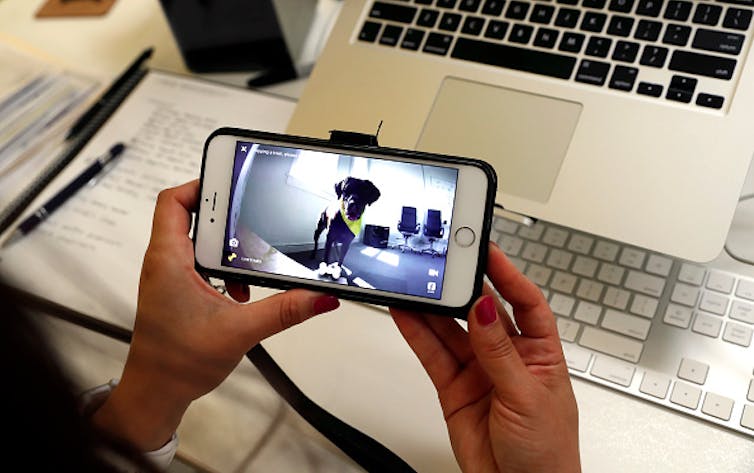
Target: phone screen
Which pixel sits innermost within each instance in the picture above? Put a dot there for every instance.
(351, 220)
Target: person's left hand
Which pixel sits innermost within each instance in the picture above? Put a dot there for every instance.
(187, 337)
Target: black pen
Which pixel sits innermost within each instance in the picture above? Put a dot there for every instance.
(31, 222)
(108, 94)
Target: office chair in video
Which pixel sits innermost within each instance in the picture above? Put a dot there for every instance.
(408, 226)
(434, 229)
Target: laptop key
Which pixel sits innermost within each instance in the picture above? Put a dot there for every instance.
(594, 3)
(626, 51)
(470, 6)
(593, 22)
(678, 10)
(623, 78)
(571, 42)
(737, 18)
(472, 25)
(493, 7)
(567, 18)
(390, 35)
(592, 72)
(620, 26)
(676, 35)
(546, 38)
(369, 31)
(653, 56)
(706, 14)
(449, 21)
(412, 39)
(648, 30)
(702, 64)
(427, 18)
(521, 59)
(438, 43)
(542, 14)
(649, 7)
(517, 10)
(598, 46)
(521, 33)
(496, 29)
(621, 6)
(450, 4)
(718, 41)
(393, 12)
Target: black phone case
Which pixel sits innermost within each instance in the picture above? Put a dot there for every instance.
(356, 143)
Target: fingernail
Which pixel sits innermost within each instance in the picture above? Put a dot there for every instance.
(485, 311)
(326, 304)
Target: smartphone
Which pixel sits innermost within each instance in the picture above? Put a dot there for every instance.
(386, 226)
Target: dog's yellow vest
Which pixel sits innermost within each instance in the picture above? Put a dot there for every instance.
(353, 225)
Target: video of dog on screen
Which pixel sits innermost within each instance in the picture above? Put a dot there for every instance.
(367, 222)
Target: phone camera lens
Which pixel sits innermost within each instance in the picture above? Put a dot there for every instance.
(212, 220)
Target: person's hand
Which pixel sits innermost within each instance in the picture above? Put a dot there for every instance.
(505, 392)
(187, 337)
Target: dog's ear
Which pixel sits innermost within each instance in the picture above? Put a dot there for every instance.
(339, 186)
(370, 192)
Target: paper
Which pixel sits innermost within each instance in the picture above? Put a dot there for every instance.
(88, 254)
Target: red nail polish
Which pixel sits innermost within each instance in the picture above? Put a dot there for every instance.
(486, 313)
(326, 304)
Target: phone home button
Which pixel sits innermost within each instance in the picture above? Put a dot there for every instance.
(465, 237)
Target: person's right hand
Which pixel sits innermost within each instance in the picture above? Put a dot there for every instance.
(505, 392)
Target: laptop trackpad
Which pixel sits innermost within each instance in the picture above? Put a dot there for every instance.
(524, 136)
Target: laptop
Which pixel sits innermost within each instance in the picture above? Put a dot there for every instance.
(627, 119)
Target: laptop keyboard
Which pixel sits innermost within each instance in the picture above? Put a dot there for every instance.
(666, 330)
(681, 51)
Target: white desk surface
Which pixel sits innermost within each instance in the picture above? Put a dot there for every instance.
(353, 362)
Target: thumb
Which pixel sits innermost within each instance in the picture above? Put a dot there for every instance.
(494, 349)
(276, 313)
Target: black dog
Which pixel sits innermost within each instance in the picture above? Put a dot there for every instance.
(342, 220)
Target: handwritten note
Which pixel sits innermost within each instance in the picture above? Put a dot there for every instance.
(88, 254)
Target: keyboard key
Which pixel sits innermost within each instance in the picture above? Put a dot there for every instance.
(526, 60)
(653, 56)
(620, 26)
(677, 316)
(581, 243)
(588, 312)
(647, 88)
(598, 4)
(745, 289)
(538, 274)
(750, 394)
(685, 395)
(626, 324)
(605, 251)
(567, 18)
(678, 10)
(496, 29)
(623, 78)
(681, 89)
(412, 39)
(585, 266)
(720, 282)
(616, 298)
(542, 14)
(505, 225)
(632, 257)
(563, 282)
(707, 14)
(369, 31)
(747, 418)
(692, 370)
(449, 21)
(562, 304)
(555, 237)
(659, 265)
(611, 344)
(655, 384)
(613, 370)
(710, 101)
(590, 290)
(685, 294)
(521, 33)
(517, 10)
(472, 25)
(437, 44)
(693, 274)
(677, 35)
(598, 46)
(648, 30)
(568, 329)
(707, 325)
(592, 72)
(519, 263)
(393, 12)
(546, 38)
(737, 19)
(576, 357)
(611, 274)
(621, 6)
(742, 311)
(559, 259)
(470, 6)
(717, 406)
(450, 4)
(511, 245)
(645, 283)
(571, 42)
(531, 232)
(644, 306)
(593, 22)
(702, 64)
(718, 41)
(391, 34)
(649, 7)
(427, 18)
(714, 303)
(535, 252)
(737, 333)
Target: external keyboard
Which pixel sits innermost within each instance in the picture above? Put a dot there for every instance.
(669, 331)
(684, 51)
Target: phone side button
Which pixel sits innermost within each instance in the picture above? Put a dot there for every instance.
(465, 237)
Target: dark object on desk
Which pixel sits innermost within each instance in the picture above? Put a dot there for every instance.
(96, 168)
(376, 236)
(110, 92)
(58, 8)
(256, 36)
